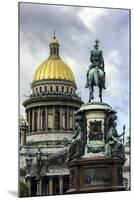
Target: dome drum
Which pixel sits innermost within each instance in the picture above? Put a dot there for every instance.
(53, 89)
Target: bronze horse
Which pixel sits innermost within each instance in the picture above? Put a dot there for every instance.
(95, 77)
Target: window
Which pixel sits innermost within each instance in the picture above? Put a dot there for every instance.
(54, 50)
(57, 88)
(62, 89)
(71, 90)
(51, 88)
(40, 89)
(36, 90)
(45, 88)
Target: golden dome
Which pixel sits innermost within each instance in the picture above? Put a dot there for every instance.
(54, 67)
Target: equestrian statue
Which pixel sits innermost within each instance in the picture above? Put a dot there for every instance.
(96, 73)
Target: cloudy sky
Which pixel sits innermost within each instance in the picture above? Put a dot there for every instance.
(76, 29)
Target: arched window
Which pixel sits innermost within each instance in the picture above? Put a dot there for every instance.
(71, 91)
(57, 89)
(35, 121)
(54, 50)
(62, 89)
(43, 120)
(40, 89)
(45, 88)
(51, 88)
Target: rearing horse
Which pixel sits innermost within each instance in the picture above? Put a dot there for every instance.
(95, 77)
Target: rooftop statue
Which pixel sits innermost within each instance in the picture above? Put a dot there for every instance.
(96, 73)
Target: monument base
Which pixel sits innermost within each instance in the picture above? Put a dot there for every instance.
(98, 174)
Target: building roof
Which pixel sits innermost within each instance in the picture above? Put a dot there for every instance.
(54, 67)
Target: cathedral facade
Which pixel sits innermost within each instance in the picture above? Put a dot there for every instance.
(50, 122)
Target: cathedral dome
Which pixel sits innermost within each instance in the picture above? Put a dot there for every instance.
(54, 67)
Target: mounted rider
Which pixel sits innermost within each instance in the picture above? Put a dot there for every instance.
(97, 60)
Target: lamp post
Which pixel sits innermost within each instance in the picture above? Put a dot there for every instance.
(28, 164)
(28, 176)
(39, 167)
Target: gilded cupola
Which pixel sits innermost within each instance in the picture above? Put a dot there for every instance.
(54, 68)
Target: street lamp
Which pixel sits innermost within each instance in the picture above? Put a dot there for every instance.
(39, 156)
(39, 167)
(28, 170)
(28, 164)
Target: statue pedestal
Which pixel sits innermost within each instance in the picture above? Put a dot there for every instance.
(97, 174)
(95, 170)
(95, 115)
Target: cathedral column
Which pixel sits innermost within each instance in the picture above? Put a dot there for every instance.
(23, 139)
(26, 112)
(73, 119)
(67, 118)
(50, 185)
(60, 118)
(61, 184)
(53, 118)
(46, 118)
(28, 119)
(39, 119)
(33, 120)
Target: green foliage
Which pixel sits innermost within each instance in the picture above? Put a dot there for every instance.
(23, 189)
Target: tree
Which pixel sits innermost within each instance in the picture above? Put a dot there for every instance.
(23, 189)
